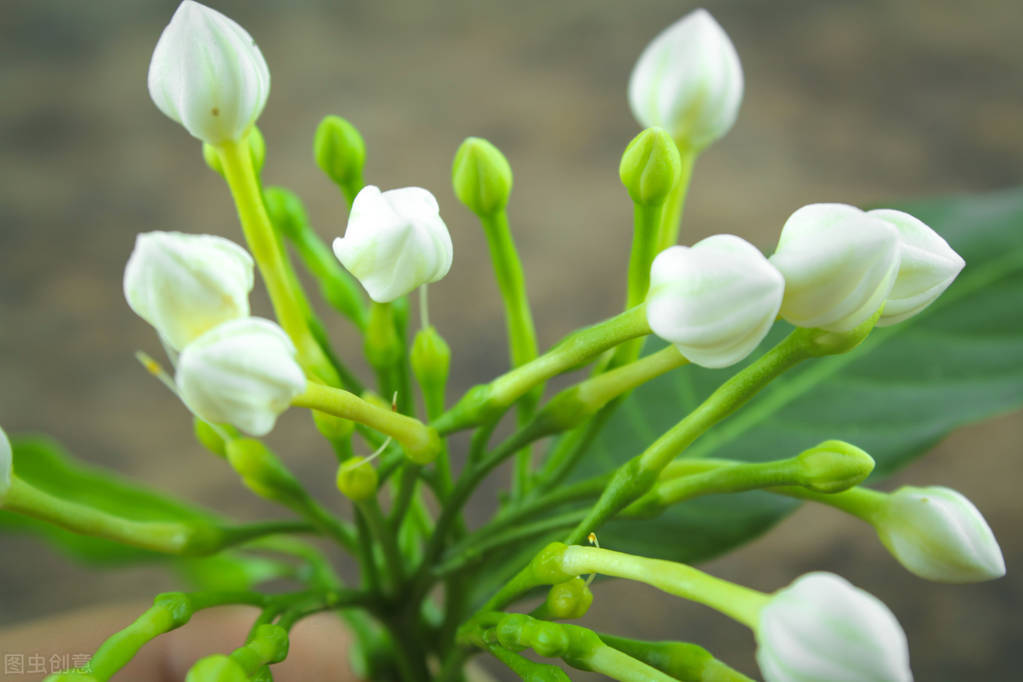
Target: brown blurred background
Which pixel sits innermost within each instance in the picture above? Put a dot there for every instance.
(857, 102)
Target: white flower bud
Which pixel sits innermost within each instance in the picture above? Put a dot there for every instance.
(823, 628)
(936, 533)
(688, 81)
(927, 265)
(243, 373)
(186, 284)
(208, 75)
(715, 300)
(839, 265)
(395, 241)
(6, 465)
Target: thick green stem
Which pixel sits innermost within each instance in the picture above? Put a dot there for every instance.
(259, 233)
(421, 442)
(863, 503)
(386, 540)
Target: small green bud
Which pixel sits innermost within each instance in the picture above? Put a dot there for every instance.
(331, 427)
(569, 600)
(211, 438)
(271, 643)
(217, 668)
(357, 479)
(481, 176)
(286, 211)
(510, 631)
(430, 358)
(651, 167)
(340, 151)
(262, 472)
(547, 639)
(834, 466)
(257, 150)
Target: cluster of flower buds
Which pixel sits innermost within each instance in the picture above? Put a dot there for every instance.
(194, 290)
(834, 268)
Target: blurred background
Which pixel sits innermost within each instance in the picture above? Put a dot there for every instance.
(859, 102)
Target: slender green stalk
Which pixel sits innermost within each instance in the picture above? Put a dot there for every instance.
(487, 402)
(863, 503)
(242, 181)
(680, 660)
(385, 538)
(421, 442)
(672, 217)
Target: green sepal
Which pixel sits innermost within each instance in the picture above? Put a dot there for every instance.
(257, 150)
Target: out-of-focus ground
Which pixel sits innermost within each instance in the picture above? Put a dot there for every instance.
(857, 102)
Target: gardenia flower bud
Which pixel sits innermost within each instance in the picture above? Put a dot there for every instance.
(839, 264)
(688, 81)
(823, 628)
(395, 241)
(715, 300)
(6, 465)
(927, 266)
(186, 284)
(208, 75)
(938, 534)
(242, 372)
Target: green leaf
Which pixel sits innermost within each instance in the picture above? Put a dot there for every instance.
(903, 390)
(44, 464)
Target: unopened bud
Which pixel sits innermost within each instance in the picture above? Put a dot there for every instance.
(688, 81)
(651, 167)
(331, 427)
(210, 437)
(287, 214)
(340, 151)
(430, 358)
(938, 534)
(481, 176)
(217, 668)
(823, 628)
(839, 265)
(715, 301)
(357, 479)
(834, 466)
(569, 600)
(927, 266)
(208, 75)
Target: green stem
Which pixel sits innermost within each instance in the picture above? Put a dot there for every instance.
(739, 603)
(527, 670)
(385, 537)
(488, 401)
(367, 561)
(671, 219)
(421, 442)
(618, 665)
(863, 503)
(259, 233)
(681, 660)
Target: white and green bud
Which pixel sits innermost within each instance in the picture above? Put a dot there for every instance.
(481, 176)
(395, 241)
(821, 627)
(357, 479)
(839, 265)
(938, 534)
(927, 266)
(257, 152)
(340, 151)
(651, 167)
(6, 465)
(208, 75)
(715, 300)
(688, 81)
(243, 373)
(187, 284)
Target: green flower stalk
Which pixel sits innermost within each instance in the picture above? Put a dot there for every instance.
(257, 149)
(680, 660)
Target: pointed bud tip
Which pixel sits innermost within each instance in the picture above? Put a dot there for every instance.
(651, 167)
(481, 176)
(834, 466)
(339, 150)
